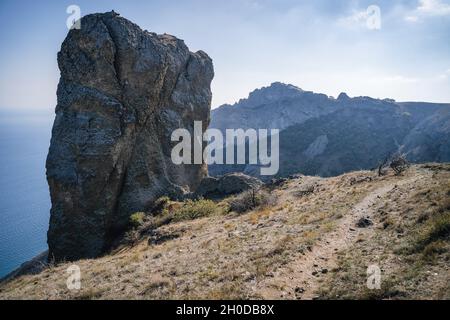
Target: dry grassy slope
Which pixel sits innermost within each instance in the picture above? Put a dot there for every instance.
(306, 246)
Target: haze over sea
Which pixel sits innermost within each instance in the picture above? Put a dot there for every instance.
(24, 195)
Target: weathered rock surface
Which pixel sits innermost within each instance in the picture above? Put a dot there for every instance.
(121, 94)
(232, 183)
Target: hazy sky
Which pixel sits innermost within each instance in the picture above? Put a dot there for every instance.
(322, 45)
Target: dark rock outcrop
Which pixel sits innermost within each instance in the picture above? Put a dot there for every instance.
(121, 94)
(215, 188)
(364, 222)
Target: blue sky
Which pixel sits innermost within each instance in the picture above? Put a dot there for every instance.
(321, 45)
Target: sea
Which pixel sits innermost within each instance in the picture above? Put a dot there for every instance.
(24, 194)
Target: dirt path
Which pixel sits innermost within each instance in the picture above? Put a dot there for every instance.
(301, 278)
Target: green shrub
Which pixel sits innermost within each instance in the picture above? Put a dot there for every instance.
(160, 205)
(194, 209)
(137, 219)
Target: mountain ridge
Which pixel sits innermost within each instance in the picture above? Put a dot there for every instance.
(381, 127)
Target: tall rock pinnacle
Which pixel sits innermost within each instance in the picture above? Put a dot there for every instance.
(121, 94)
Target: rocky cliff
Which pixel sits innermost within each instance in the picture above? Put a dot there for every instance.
(121, 94)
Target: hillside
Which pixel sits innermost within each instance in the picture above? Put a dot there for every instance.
(302, 242)
(321, 135)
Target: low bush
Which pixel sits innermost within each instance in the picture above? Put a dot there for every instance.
(194, 209)
(160, 205)
(132, 237)
(250, 200)
(137, 219)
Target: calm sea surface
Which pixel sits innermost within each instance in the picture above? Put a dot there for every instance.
(24, 195)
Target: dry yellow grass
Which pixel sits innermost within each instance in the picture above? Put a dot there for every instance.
(271, 252)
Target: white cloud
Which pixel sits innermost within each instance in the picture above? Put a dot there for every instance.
(434, 7)
(427, 8)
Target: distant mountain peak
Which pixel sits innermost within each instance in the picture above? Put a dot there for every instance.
(282, 86)
(343, 96)
(277, 89)
(274, 92)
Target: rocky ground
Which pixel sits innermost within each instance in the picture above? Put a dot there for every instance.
(315, 239)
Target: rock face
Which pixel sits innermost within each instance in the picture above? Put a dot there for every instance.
(430, 139)
(121, 94)
(232, 183)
